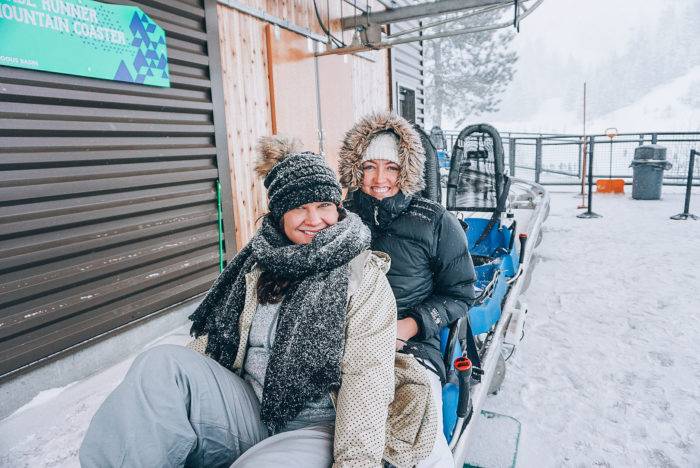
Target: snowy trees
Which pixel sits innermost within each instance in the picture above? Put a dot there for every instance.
(656, 53)
(466, 74)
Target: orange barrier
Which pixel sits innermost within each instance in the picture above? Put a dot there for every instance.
(610, 186)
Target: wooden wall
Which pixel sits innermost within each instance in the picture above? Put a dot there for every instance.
(247, 102)
(298, 12)
(270, 86)
(351, 86)
(292, 74)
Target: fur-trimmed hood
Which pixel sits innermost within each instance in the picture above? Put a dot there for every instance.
(357, 139)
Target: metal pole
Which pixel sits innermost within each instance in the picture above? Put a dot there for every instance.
(538, 159)
(610, 169)
(511, 156)
(583, 171)
(688, 188)
(590, 174)
(654, 138)
(583, 166)
(689, 185)
(263, 15)
(411, 12)
(578, 167)
(424, 26)
(319, 123)
(589, 213)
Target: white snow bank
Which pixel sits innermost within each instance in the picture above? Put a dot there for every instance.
(41, 398)
(47, 432)
(608, 373)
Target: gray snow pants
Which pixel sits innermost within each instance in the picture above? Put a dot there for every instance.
(176, 407)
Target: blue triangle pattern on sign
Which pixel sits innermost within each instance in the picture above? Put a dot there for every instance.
(139, 61)
(123, 73)
(134, 20)
(138, 30)
(150, 58)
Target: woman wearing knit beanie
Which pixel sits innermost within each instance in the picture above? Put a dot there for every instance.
(432, 275)
(299, 330)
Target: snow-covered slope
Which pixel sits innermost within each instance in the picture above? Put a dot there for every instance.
(672, 106)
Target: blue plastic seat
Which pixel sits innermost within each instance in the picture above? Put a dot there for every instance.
(482, 316)
(495, 245)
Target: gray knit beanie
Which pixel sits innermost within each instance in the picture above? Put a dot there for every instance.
(383, 145)
(294, 178)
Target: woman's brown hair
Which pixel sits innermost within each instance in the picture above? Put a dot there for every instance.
(272, 288)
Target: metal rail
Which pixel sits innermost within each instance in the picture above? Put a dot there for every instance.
(490, 358)
(686, 206)
(419, 11)
(551, 159)
(369, 24)
(265, 16)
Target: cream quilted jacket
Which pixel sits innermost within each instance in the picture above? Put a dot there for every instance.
(384, 410)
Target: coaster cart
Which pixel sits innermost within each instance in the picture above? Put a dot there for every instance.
(495, 210)
(437, 138)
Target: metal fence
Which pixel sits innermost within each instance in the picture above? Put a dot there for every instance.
(552, 159)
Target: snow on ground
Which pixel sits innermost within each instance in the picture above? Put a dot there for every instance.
(47, 431)
(608, 373)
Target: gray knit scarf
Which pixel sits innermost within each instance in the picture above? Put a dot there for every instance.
(306, 355)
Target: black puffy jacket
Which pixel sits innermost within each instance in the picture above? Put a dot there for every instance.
(431, 273)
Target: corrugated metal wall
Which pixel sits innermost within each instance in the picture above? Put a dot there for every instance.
(108, 209)
(407, 66)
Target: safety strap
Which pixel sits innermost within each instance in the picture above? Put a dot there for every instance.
(500, 207)
(472, 350)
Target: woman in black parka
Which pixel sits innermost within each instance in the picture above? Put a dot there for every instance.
(432, 276)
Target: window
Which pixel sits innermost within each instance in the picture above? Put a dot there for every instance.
(407, 104)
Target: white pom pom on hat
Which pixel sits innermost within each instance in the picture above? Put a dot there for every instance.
(384, 145)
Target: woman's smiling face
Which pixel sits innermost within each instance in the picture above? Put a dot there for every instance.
(301, 224)
(380, 178)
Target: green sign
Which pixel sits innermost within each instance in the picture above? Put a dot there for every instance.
(85, 38)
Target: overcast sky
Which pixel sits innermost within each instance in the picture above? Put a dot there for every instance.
(586, 29)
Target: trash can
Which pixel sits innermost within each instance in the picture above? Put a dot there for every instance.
(648, 172)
